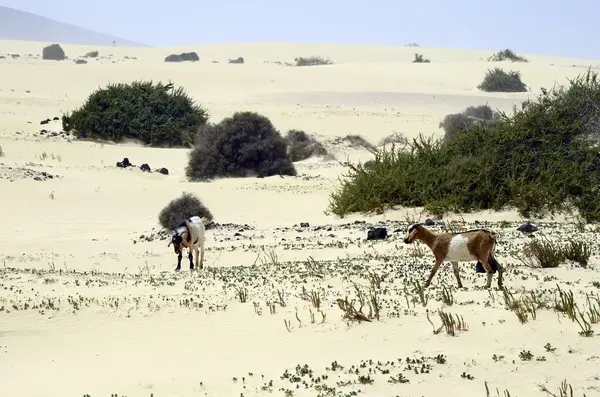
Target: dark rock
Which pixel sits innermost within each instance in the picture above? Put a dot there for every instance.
(45, 121)
(378, 233)
(124, 164)
(527, 227)
(53, 52)
(304, 224)
(237, 60)
(55, 118)
(145, 167)
(80, 61)
(429, 222)
(164, 171)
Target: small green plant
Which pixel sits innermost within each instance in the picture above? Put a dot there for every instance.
(447, 296)
(542, 253)
(578, 251)
(565, 303)
(526, 355)
(242, 293)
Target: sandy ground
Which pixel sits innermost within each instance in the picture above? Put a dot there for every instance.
(89, 302)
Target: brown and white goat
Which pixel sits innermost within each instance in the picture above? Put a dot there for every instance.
(477, 244)
(189, 234)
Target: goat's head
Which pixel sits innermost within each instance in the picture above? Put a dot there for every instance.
(176, 240)
(413, 233)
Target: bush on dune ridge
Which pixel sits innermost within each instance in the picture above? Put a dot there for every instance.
(155, 114)
(540, 160)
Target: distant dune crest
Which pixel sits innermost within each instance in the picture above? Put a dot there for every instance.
(21, 25)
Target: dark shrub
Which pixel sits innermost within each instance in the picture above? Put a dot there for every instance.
(183, 57)
(301, 145)
(312, 61)
(173, 58)
(242, 145)
(356, 142)
(419, 59)
(156, 114)
(237, 60)
(80, 61)
(397, 138)
(539, 160)
(506, 55)
(181, 208)
(53, 52)
(497, 80)
(189, 56)
(93, 54)
(459, 122)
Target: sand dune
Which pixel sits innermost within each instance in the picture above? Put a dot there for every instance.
(89, 305)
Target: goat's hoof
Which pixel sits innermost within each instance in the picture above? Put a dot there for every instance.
(177, 269)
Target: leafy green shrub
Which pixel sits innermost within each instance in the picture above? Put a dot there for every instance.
(497, 80)
(538, 160)
(242, 145)
(312, 61)
(156, 114)
(181, 208)
(458, 122)
(506, 55)
(301, 146)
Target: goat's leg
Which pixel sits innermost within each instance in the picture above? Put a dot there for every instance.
(456, 273)
(191, 258)
(201, 253)
(178, 268)
(488, 270)
(197, 252)
(500, 272)
(438, 262)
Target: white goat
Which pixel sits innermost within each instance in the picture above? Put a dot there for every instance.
(189, 234)
(477, 244)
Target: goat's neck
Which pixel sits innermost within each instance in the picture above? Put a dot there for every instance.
(427, 237)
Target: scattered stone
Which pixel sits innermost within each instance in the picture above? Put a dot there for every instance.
(124, 164)
(378, 233)
(163, 171)
(237, 60)
(145, 167)
(527, 227)
(80, 61)
(304, 224)
(429, 222)
(45, 121)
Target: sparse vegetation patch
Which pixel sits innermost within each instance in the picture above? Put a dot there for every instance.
(506, 55)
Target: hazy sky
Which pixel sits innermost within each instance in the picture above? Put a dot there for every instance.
(546, 27)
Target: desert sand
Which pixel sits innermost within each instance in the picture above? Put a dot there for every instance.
(89, 301)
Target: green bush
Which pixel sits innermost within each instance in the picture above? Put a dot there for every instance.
(181, 208)
(156, 114)
(419, 59)
(497, 80)
(539, 160)
(456, 123)
(506, 55)
(301, 145)
(245, 144)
